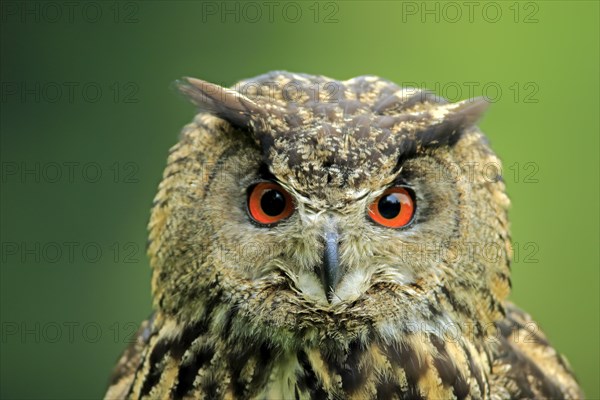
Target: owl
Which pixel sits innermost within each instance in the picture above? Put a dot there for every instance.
(323, 239)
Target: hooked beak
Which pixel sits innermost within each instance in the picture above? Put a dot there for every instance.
(330, 268)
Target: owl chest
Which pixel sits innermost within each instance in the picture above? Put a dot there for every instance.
(360, 371)
(247, 375)
(369, 372)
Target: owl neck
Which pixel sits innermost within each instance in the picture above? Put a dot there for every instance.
(270, 311)
(272, 315)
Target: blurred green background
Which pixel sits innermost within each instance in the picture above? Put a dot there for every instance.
(87, 118)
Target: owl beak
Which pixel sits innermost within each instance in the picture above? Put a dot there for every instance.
(330, 269)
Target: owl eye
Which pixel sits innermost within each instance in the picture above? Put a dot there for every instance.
(394, 208)
(269, 203)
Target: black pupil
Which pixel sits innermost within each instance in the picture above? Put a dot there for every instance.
(272, 202)
(389, 206)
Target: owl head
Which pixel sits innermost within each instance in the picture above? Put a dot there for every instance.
(304, 206)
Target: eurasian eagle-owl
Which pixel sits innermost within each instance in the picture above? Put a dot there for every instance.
(325, 239)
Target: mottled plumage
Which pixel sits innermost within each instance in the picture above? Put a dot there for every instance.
(246, 311)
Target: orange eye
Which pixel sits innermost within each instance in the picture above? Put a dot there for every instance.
(269, 203)
(394, 208)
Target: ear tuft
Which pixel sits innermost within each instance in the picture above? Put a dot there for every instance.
(454, 119)
(225, 103)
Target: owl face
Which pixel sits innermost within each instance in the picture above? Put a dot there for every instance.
(320, 208)
(332, 249)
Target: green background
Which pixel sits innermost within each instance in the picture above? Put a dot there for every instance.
(67, 317)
